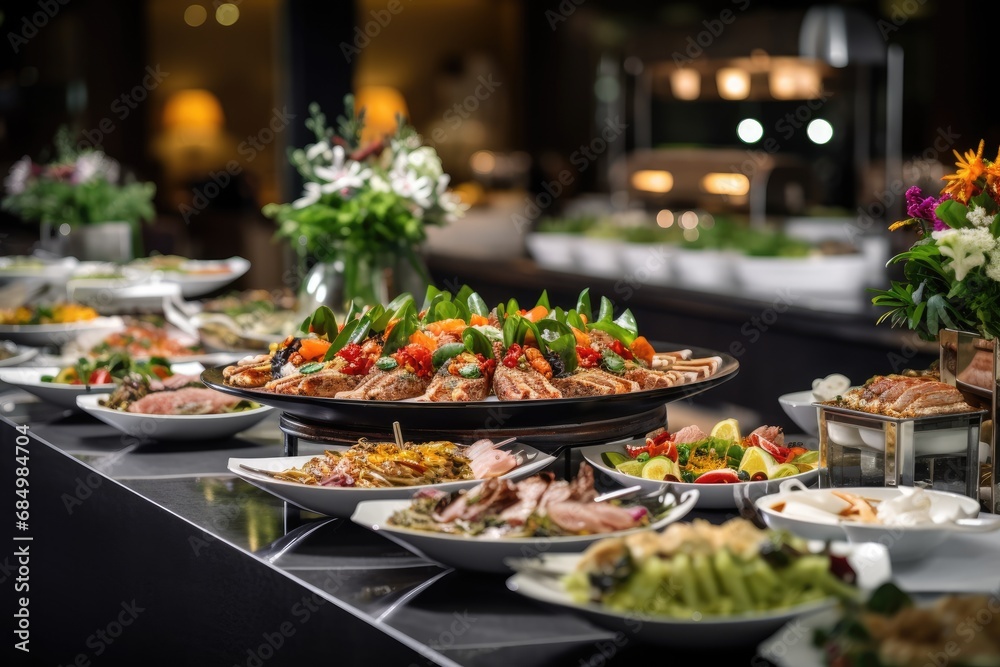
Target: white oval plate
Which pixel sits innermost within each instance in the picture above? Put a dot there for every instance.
(195, 285)
(41, 335)
(482, 554)
(711, 496)
(534, 580)
(21, 355)
(342, 501)
(15, 268)
(62, 395)
(904, 543)
(172, 427)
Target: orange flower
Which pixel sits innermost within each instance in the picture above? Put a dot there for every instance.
(962, 184)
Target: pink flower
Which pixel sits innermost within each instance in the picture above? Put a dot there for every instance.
(918, 206)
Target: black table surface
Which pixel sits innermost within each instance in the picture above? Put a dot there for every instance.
(232, 575)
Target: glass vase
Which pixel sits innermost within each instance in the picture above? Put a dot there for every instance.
(364, 280)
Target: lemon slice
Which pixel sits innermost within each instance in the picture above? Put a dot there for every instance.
(727, 429)
(757, 460)
(659, 467)
(630, 468)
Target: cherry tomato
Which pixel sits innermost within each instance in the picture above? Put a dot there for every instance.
(99, 376)
(162, 372)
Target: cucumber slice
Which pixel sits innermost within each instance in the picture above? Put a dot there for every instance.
(613, 459)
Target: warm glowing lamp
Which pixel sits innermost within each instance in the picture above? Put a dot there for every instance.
(685, 83)
(653, 180)
(733, 83)
(193, 110)
(381, 104)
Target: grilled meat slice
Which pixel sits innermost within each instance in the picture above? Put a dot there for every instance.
(395, 385)
(513, 384)
(445, 387)
(650, 379)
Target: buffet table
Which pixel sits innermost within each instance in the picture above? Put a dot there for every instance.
(137, 547)
(212, 567)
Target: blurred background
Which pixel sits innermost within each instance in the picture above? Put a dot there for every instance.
(829, 101)
(620, 122)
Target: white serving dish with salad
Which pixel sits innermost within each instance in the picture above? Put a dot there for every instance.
(662, 592)
(62, 386)
(723, 466)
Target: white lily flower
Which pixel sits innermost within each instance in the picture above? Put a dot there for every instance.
(342, 173)
(17, 177)
(320, 149)
(310, 197)
(95, 165)
(418, 189)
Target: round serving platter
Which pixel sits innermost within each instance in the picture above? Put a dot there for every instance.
(549, 422)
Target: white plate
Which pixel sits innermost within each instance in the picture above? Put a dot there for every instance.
(708, 270)
(342, 501)
(21, 355)
(195, 285)
(62, 395)
(41, 335)
(51, 271)
(819, 521)
(792, 645)
(711, 496)
(870, 562)
(831, 275)
(172, 427)
(483, 554)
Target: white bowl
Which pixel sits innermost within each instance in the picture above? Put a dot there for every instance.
(647, 262)
(844, 434)
(552, 250)
(194, 428)
(833, 275)
(709, 270)
(799, 406)
(217, 273)
(61, 395)
(816, 517)
(57, 335)
(945, 441)
(597, 256)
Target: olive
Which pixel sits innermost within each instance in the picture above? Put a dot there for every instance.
(758, 476)
(670, 478)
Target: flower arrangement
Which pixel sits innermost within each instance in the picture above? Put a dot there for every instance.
(78, 187)
(364, 204)
(952, 272)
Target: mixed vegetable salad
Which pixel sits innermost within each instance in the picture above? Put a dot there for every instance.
(108, 368)
(722, 457)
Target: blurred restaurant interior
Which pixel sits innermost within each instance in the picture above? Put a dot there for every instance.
(626, 115)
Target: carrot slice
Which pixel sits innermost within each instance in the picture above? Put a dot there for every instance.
(313, 349)
(582, 339)
(641, 349)
(453, 325)
(423, 340)
(479, 320)
(536, 313)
